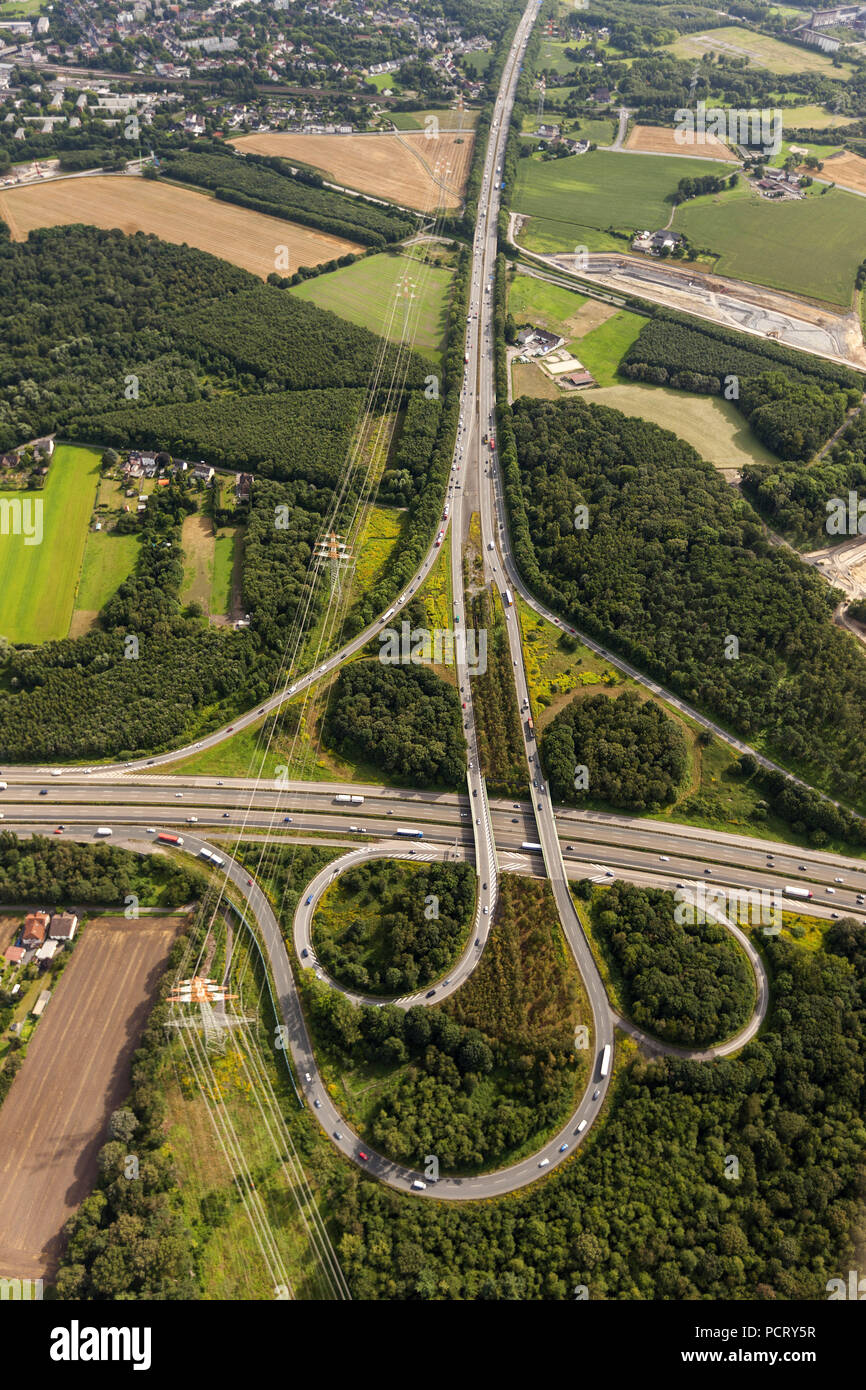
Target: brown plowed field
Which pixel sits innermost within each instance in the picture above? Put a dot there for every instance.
(235, 234)
(53, 1121)
(846, 169)
(657, 139)
(402, 169)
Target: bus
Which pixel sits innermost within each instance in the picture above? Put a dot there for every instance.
(530, 844)
(411, 834)
(170, 839)
(605, 1060)
(508, 599)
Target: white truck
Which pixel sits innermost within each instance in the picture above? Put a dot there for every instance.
(343, 800)
(103, 830)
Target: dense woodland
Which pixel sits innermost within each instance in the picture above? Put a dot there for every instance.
(792, 402)
(51, 872)
(673, 564)
(634, 755)
(403, 719)
(689, 984)
(500, 733)
(488, 1069)
(230, 370)
(795, 500)
(391, 928)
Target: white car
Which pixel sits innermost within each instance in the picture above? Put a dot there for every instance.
(664, 858)
(151, 830)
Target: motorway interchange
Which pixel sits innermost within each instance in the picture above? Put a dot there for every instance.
(136, 800)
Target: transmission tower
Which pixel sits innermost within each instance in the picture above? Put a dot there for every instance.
(213, 1023)
(332, 549)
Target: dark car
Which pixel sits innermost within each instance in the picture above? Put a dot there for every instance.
(44, 791)
(430, 993)
(308, 901)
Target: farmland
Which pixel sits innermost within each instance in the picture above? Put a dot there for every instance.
(596, 333)
(775, 244)
(397, 167)
(76, 1072)
(573, 201)
(108, 560)
(235, 234)
(651, 139)
(848, 170)
(38, 582)
(760, 50)
(811, 118)
(711, 425)
(373, 294)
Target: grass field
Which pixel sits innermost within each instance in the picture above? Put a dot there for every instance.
(397, 167)
(108, 560)
(811, 118)
(198, 542)
(225, 554)
(248, 239)
(598, 334)
(602, 349)
(760, 50)
(38, 582)
(714, 427)
(572, 201)
(449, 118)
(382, 531)
(372, 293)
(812, 247)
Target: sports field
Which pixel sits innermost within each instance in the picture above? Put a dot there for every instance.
(812, 247)
(38, 581)
(760, 50)
(248, 239)
(396, 296)
(402, 168)
(572, 201)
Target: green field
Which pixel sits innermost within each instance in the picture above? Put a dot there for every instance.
(819, 151)
(600, 346)
(38, 582)
(108, 560)
(551, 57)
(715, 428)
(223, 568)
(811, 247)
(366, 293)
(811, 118)
(760, 50)
(602, 349)
(572, 201)
(550, 306)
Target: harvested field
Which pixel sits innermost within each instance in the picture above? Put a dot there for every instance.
(846, 169)
(248, 239)
(402, 168)
(53, 1121)
(653, 139)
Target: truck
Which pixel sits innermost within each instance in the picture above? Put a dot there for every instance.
(508, 599)
(792, 890)
(492, 445)
(170, 839)
(411, 834)
(531, 844)
(604, 1067)
(211, 858)
(343, 800)
(530, 727)
(103, 831)
(3, 786)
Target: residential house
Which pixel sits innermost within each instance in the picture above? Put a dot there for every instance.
(14, 954)
(63, 926)
(35, 927)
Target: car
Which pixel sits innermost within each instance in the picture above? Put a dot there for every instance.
(596, 1094)
(151, 830)
(515, 806)
(192, 820)
(474, 791)
(87, 771)
(261, 711)
(317, 1103)
(478, 941)
(43, 791)
(364, 1157)
(305, 952)
(485, 910)
(477, 820)
(664, 859)
(802, 868)
(230, 729)
(150, 762)
(608, 873)
(838, 880)
(287, 820)
(464, 815)
(178, 795)
(581, 1127)
(337, 1134)
(307, 1076)
(708, 871)
(58, 831)
(249, 883)
(464, 704)
(538, 803)
(220, 783)
(859, 897)
(834, 914)
(56, 772)
(225, 815)
(308, 901)
(829, 890)
(562, 1148)
(514, 820)
(544, 1163)
(484, 885)
(535, 781)
(429, 994)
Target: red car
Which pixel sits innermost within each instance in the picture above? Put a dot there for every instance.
(362, 1155)
(230, 729)
(250, 882)
(58, 831)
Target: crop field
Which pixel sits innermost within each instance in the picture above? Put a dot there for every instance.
(38, 581)
(76, 1072)
(235, 234)
(761, 51)
(108, 560)
(386, 293)
(199, 544)
(775, 244)
(848, 170)
(449, 119)
(573, 201)
(400, 168)
(715, 428)
(656, 139)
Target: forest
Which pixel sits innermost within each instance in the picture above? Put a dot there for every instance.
(228, 369)
(672, 565)
(631, 755)
(267, 185)
(795, 500)
(500, 734)
(487, 1070)
(402, 719)
(645, 1210)
(51, 872)
(793, 402)
(688, 984)
(391, 928)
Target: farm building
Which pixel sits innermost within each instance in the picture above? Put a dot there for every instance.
(63, 926)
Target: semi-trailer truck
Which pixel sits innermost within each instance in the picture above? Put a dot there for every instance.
(170, 839)
(792, 890)
(605, 1060)
(343, 800)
